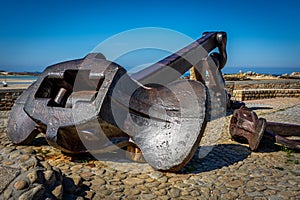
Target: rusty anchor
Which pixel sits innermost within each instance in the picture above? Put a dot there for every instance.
(90, 104)
(245, 125)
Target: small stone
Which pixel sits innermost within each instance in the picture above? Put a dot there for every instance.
(7, 193)
(29, 150)
(216, 193)
(31, 163)
(87, 183)
(58, 191)
(163, 185)
(87, 176)
(46, 165)
(77, 180)
(35, 193)
(7, 162)
(163, 179)
(14, 154)
(230, 195)
(195, 193)
(174, 192)
(20, 185)
(50, 177)
(250, 184)
(160, 192)
(205, 192)
(7, 150)
(89, 194)
(133, 181)
(292, 182)
(284, 194)
(260, 188)
(106, 192)
(270, 192)
(98, 182)
(260, 198)
(76, 167)
(115, 188)
(156, 175)
(152, 184)
(234, 184)
(33, 177)
(147, 196)
(24, 158)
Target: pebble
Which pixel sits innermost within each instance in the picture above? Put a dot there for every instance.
(58, 191)
(20, 185)
(133, 181)
(234, 184)
(174, 192)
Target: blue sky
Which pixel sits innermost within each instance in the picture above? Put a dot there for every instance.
(36, 34)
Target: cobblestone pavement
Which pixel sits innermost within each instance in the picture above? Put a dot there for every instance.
(221, 169)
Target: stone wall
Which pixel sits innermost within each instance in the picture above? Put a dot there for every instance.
(8, 98)
(262, 84)
(262, 89)
(251, 94)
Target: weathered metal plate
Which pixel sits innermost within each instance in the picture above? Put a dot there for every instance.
(170, 129)
(69, 96)
(21, 128)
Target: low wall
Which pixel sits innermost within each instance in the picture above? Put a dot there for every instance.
(8, 98)
(262, 89)
(262, 84)
(251, 94)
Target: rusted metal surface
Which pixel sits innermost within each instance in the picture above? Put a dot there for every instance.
(21, 128)
(76, 102)
(245, 125)
(173, 66)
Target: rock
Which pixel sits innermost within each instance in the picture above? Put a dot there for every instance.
(133, 181)
(24, 158)
(33, 177)
(86, 176)
(7, 193)
(20, 185)
(89, 194)
(195, 193)
(31, 163)
(14, 154)
(98, 182)
(230, 195)
(147, 196)
(7, 162)
(234, 184)
(205, 192)
(58, 191)
(49, 178)
(77, 180)
(174, 192)
(163, 179)
(37, 192)
(156, 175)
(160, 192)
(76, 167)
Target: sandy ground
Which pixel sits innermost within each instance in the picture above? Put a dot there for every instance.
(13, 83)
